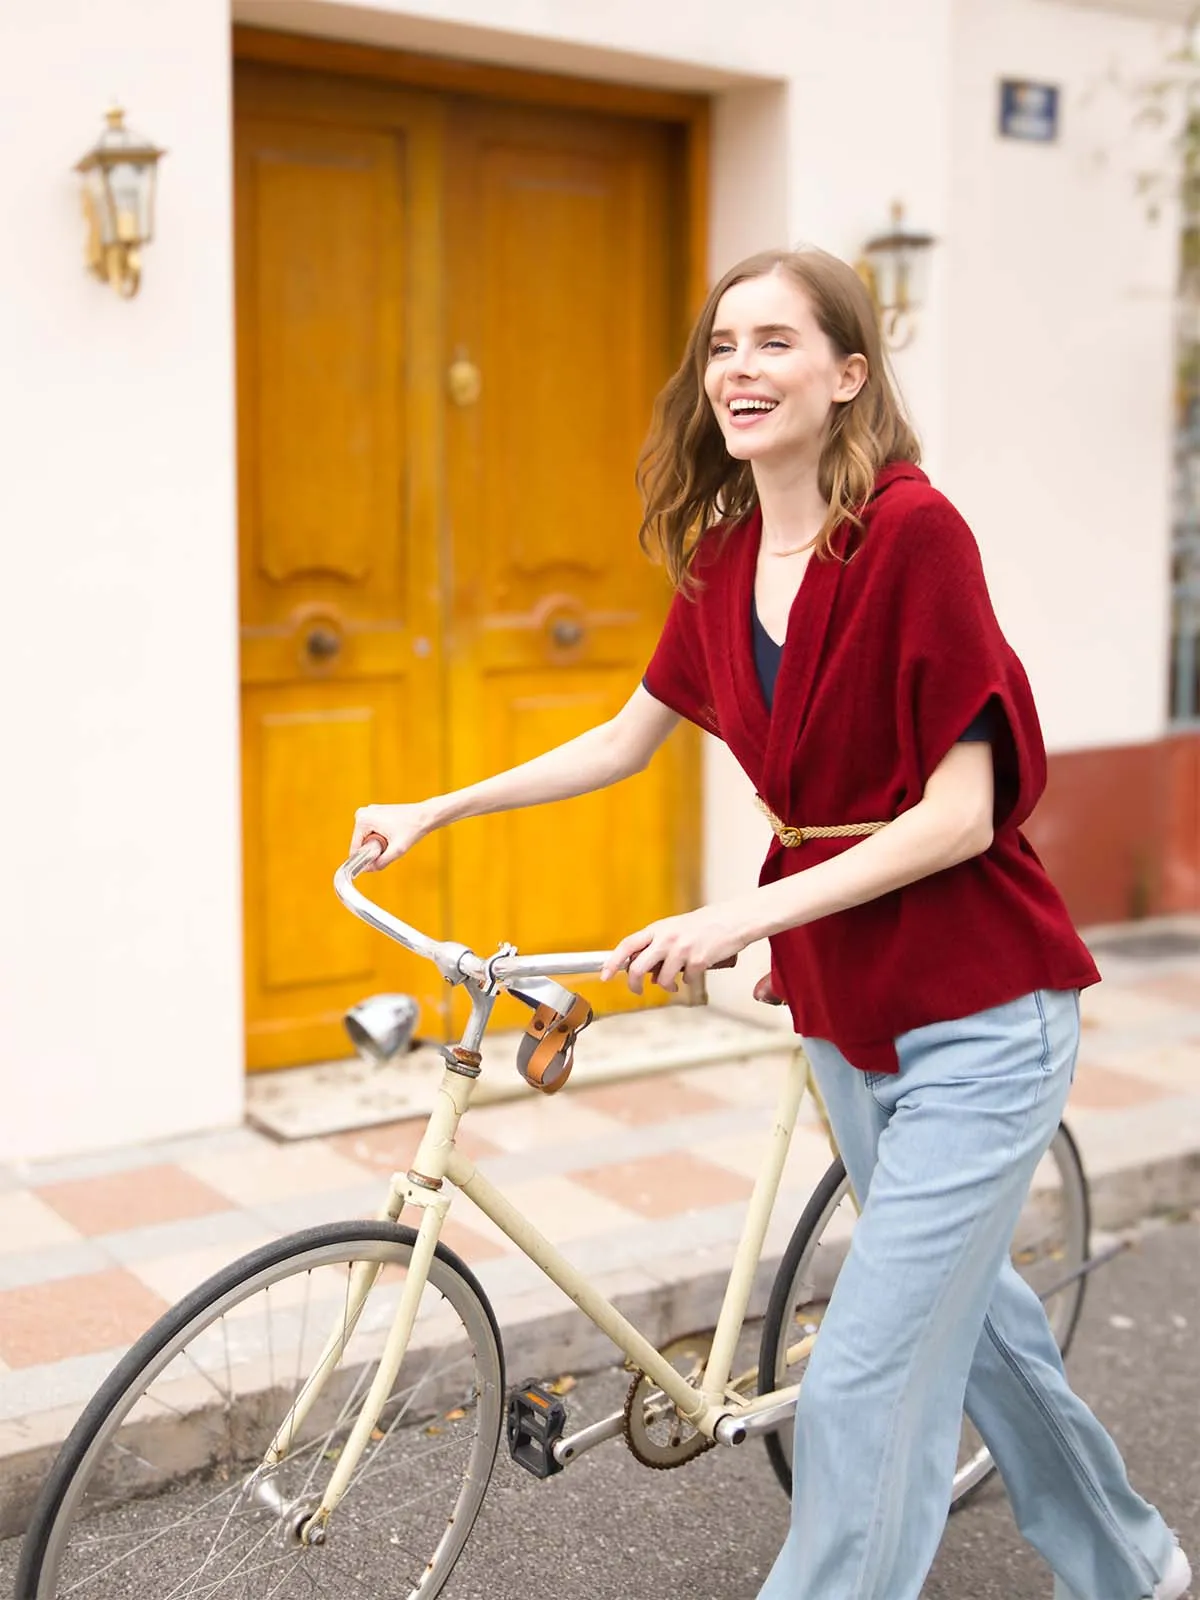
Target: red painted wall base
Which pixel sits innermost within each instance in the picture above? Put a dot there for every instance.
(1119, 829)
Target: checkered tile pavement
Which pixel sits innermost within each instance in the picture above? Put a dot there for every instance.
(634, 1179)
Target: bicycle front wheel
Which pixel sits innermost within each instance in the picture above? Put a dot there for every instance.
(163, 1473)
(1052, 1239)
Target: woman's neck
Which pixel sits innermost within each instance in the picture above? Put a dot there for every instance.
(793, 507)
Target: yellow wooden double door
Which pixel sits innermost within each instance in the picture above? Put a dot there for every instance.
(452, 318)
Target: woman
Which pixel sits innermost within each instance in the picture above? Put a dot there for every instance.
(831, 623)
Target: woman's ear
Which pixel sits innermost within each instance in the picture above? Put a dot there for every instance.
(853, 376)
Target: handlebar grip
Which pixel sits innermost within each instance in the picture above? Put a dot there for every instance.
(729, 961)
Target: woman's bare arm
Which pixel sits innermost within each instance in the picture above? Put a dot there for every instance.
(950, 823)
(596, 759)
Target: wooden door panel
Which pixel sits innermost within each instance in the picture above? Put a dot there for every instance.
(561, 360)
(310, 753)
(338, 366)
(314, 762)
(325, 330)
(560, 884)
(562, 281)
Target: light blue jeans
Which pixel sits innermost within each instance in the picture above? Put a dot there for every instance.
(928, 1313)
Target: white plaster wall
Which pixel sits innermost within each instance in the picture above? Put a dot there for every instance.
(1058, 420)
(120, 967)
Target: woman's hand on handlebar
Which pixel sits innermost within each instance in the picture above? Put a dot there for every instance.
(680, 947)
(402, 826)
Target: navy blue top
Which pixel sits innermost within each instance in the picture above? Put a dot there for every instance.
(766, 659)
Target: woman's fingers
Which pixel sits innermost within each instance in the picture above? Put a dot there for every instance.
(665, 952)
(398, 828)
(666, 973)
(367, 825)
(384, 851)
(624, 954)
(656, 961)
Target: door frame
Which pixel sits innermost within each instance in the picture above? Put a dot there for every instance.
(447, 73)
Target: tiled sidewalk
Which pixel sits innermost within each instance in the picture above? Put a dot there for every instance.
(642, 1181)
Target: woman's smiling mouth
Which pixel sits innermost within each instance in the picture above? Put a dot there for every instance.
(749, 409)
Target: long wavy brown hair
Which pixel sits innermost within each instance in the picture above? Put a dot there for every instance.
(687, 478)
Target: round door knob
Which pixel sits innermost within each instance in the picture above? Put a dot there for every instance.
(322, 644)
(566, 631)
(465, 381)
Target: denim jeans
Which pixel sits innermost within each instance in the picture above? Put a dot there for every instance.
(928, 1314)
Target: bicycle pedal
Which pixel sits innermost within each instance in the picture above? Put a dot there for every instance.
(536, 1419)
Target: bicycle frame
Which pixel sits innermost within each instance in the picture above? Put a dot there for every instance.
(709, 1407)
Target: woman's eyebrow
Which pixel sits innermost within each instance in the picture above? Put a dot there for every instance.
(766, 327)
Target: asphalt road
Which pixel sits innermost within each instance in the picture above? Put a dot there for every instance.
(608, 1529)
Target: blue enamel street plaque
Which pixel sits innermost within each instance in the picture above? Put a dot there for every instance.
(1028, 110)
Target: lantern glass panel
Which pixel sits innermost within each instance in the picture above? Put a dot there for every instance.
(885, 264)
(95, 182)
(916, 271)
(149, 189)
(127, 184)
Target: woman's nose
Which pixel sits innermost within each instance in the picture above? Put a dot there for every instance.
(746, 362)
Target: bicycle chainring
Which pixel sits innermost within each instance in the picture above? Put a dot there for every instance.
(654, 1431)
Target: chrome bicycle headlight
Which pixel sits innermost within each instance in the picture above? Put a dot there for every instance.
(381, 1026)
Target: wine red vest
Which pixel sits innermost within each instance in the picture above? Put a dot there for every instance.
(892, 650)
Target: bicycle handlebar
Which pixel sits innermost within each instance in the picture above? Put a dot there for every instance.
(454, 961)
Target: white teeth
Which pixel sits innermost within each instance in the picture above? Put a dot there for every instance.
(738, 406)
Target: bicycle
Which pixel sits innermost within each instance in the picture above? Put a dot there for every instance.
(259, 1434)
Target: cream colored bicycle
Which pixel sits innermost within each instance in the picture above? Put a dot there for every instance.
(323, 1416)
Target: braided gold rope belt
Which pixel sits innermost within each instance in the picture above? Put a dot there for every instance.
(792, 837)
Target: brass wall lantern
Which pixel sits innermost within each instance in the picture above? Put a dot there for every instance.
(895, 268)
(119, 174)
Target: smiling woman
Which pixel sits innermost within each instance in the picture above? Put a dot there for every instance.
(832, 625)
(798, 340)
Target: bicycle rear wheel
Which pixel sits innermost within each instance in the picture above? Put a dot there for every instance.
(163, 1472)
(1052, 1238)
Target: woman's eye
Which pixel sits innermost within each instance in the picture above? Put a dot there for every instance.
(719, 350)
(776, 344)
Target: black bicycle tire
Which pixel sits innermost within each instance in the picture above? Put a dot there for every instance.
(119, 1381)
(777, 1306)
(777, 1309)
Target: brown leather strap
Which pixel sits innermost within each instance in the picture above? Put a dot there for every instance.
(546, 1053)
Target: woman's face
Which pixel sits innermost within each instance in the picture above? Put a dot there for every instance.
(773, 376)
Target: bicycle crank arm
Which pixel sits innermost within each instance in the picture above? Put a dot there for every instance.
(737, 1429)
(573, 1445)
(1088, 1267)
